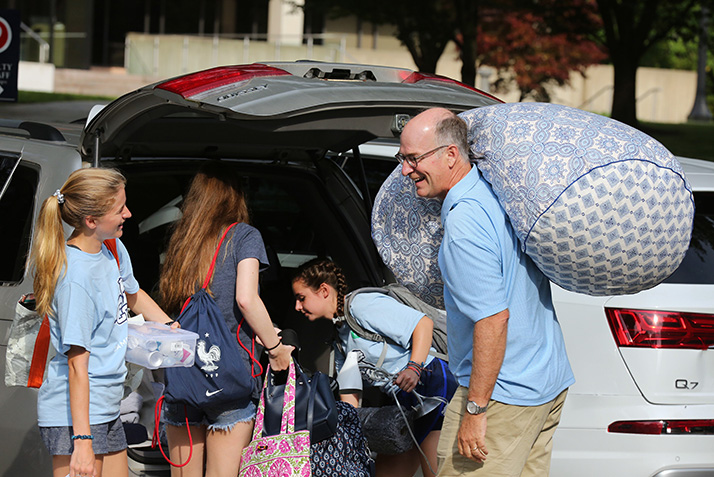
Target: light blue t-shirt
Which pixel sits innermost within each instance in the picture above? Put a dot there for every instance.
(484, 273)
(382, 314)
(90, 310)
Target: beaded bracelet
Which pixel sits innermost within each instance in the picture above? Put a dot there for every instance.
(417, 371)
(83, 437)
(416, 367)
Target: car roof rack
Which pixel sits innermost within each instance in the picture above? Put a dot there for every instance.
(40, 131)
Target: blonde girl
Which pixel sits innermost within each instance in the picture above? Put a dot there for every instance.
(215, 201)
(85, 293)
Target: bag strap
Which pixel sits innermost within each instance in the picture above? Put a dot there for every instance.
(42, 342)
(287, 423)
(251, 352)
(364, 333)
(209, 275)
(156, 439)
(111, 244)
(311, 403)
(287, 420)
(39, 355)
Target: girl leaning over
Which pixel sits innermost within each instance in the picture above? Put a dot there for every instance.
(85, 293)
(320, 287)
(214, 201)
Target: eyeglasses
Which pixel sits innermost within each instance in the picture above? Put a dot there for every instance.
(414, 160)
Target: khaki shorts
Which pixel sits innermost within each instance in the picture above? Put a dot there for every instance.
(519, 439)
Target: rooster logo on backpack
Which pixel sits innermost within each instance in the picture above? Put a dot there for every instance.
(208, 358)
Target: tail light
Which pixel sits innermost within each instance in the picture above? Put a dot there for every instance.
(196, 83)
(417, 77)
(661, 329)
(669, 427)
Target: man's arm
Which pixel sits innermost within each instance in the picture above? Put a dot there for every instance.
(489, 341)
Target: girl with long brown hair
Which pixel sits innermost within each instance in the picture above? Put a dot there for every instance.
(85, 292)
(215, 201)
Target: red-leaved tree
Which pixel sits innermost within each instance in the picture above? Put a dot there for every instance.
(531, 54)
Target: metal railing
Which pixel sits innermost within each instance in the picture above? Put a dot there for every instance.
(170, 55)
(654, 92)
(44, 47)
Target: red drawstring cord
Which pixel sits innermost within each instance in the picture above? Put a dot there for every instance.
(157, 440)
(251, 352)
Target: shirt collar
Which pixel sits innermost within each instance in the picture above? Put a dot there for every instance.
(460, 189)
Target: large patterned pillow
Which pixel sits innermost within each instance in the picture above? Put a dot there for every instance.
(599, 206)
(407, 231)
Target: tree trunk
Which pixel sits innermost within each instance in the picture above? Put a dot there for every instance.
(624, 102)
(468, 62)
(427, 58)
(466, 21)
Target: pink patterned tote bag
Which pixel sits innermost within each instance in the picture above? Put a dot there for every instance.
(283, 455)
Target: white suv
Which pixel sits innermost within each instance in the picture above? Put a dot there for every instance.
(643, 401)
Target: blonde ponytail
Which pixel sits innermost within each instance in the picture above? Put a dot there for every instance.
(87, 192)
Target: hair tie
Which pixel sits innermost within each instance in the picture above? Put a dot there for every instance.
(60, 197)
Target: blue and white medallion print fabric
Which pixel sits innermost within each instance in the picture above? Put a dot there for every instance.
(407, 231)
(600, 207)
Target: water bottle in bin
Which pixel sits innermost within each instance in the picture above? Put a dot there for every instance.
(155, 345)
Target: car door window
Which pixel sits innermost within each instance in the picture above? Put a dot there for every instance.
(19, 184)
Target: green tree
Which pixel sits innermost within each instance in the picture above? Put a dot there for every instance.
(500, 33)
(422, 26)
(630, 29)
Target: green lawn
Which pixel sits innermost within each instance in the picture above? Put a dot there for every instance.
(688, 139)
(38, 97)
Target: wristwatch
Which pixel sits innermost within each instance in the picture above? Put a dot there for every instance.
(475, 409)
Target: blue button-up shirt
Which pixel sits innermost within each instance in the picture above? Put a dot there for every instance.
(485, 273)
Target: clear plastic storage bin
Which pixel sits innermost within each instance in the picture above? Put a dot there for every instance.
(155, 345)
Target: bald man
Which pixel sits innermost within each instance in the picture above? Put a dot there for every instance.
(505, 344)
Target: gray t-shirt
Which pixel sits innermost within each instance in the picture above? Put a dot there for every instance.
(242, 242)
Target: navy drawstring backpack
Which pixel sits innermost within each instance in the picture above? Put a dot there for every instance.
(218, 375)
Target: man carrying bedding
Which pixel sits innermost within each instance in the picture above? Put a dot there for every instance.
(505, 344)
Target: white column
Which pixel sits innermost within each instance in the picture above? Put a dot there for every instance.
(285, 21)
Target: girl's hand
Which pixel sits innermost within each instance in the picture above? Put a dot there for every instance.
(82, 460)
(279, 358)
(407, 380)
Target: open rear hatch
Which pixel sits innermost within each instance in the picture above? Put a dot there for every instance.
(269, 111)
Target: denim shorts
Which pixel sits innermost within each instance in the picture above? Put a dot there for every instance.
(221, 418)
(108, 437)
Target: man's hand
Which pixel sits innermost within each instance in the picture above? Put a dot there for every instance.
(472, 437)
